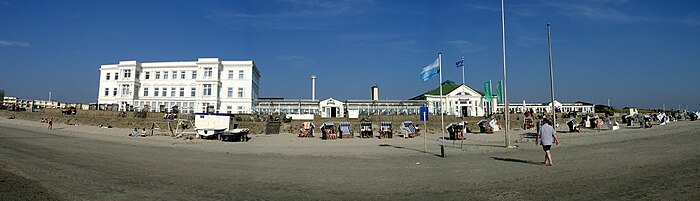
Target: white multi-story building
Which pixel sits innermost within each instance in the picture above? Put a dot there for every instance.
(207, 84)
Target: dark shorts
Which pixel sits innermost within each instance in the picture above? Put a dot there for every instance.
(546, 147)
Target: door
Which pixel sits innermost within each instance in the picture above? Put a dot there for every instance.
(465, 111)
(334, 110)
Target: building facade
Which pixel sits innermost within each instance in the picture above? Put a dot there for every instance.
(547, 107)
(205, 85)
(458, 100)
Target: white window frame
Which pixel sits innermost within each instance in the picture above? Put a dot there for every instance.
(241, 92)
(208, 72)
(206, 89)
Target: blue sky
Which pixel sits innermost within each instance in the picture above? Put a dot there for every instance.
(635, 53)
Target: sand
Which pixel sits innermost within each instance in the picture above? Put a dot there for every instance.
(91, 163)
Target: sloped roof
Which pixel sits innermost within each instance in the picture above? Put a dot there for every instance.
(447, 87)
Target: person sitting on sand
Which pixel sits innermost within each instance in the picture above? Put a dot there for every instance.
(135, 133)
(143, 132)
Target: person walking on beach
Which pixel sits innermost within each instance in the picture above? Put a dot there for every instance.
(545, 137)
(51, 123)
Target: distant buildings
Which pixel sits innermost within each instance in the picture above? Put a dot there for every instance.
(459, 100)
(208, 84)
(28, 103)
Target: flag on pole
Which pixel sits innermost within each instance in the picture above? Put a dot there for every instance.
(487, 91)
(499, 93)
(460, 63)
(430, 70)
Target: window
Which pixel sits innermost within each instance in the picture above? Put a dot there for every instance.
(127, 73)
(106, 91)
(155, 91)
(182, 74)
(240, 92)
(145, 91)
(207, 72)
(241, 75)
(174, 75)
(125, 89)
(148, 75)
(172, 92)
(165, 92)
(114, 92)
(107, 76)
(165, 75)
(230, 92)
(116, 76)
(240, 109)
(157, 75)
(194, 74)
(207, 90)
(230, 74)
(194, 92)
(228, 109)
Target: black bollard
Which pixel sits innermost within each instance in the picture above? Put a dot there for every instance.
(442, 151)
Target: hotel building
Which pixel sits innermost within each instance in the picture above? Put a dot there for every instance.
(208, 84)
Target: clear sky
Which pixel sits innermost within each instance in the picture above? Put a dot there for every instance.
(635, 53)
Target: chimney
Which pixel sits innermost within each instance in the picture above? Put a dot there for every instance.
(313, 87)
(375, 92)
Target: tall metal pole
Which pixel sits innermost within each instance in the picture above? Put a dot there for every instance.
(551, 77)
(463, 66)
(505, 94)
(313, 87)
(442, 106)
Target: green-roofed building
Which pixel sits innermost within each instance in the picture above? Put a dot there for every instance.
(460, 100)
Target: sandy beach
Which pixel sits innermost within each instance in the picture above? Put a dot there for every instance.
(91, 163)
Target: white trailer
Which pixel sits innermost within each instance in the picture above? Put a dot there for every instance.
(208, 125)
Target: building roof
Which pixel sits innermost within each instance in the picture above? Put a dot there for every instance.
(447, 87)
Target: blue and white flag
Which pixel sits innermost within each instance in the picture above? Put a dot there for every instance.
(430, 70)
(460, 63)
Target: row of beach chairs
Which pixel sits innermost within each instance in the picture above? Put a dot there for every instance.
(344, 130)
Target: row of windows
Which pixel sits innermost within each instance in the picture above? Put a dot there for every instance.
(163, 92)
(208, 72)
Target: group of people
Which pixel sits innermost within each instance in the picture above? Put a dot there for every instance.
(137, 133)
(307, 129)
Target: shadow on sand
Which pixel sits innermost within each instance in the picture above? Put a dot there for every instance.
(407, 148)
(514, 160)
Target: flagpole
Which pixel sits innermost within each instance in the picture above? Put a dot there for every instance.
(442, 118)
(493, 107)
(505, 94)
(551, 78)
(463, 65)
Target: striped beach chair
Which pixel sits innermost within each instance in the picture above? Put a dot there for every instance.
(345, 130)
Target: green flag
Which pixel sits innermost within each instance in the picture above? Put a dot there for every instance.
(499, 93)
(487, 91)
